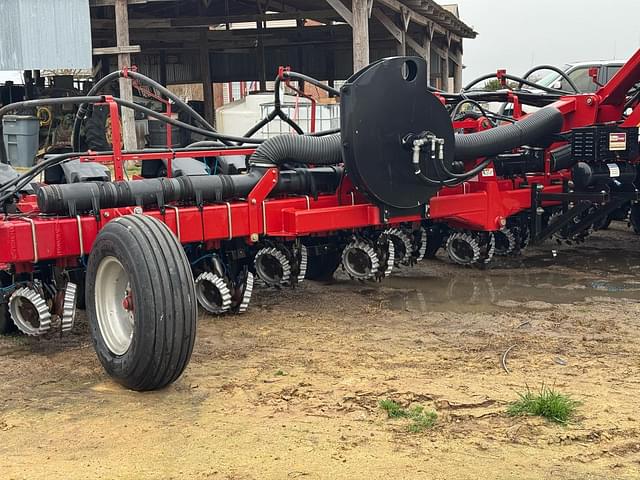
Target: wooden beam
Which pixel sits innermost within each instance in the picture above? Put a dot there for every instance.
(117, 50)
(445, 70)
(205, 21)
(342, 10)
(262, 64)
(388, 24)
(111, 3)
(426, 45)
(416, 17)
(205, 74)
(360, 26)
(163, 68)
(406, 18)
(440, 51)
(124, 61)
(134, 23)
(402, 46)
(457, 73)
(398, 33)
(419, 49)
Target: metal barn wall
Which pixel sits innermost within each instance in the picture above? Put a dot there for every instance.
(45, 34)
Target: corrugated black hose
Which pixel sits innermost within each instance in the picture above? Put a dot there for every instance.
(304, 149)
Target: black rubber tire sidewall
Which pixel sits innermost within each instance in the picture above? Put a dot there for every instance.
(164, 302)
(95, 130)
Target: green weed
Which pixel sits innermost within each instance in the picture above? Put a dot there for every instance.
(420, 418)
(547, 403)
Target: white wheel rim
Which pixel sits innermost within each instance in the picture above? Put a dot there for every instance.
(116, 323)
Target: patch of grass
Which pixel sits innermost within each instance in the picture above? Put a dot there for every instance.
(393, 409)
(547, 403)
(421, 419)
(280, 373)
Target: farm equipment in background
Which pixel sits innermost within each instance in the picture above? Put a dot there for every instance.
(397, 181)
(56, 120)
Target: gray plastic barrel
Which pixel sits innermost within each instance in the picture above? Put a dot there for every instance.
(21, 134)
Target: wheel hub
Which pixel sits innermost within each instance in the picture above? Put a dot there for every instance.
(114, 305)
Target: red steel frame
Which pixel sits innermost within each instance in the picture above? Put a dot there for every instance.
(482, 204)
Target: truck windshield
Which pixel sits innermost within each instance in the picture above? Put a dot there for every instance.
(552, 77)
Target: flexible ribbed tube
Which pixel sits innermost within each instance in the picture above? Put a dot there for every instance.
(300, 149)
(530, 129)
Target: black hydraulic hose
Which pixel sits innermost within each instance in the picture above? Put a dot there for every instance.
(172, 96)
(513, 78)
(504, 118)
(525, 97)
(82, 111)
(633, 97)
(277, 103)
(253, 130)
(312, 81)
(466, 175)
(177, 123)
(275, 113)
(205, 144)
(470, 101)
(49, 101)
(532, 128)
(304, 149)
(455, 178)
(553, 69)
(142, 79)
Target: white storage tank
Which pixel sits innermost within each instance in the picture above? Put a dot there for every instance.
(237, 118)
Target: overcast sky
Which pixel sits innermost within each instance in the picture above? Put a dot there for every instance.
(517, 34)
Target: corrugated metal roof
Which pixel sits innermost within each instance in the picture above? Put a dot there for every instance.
(52, 34)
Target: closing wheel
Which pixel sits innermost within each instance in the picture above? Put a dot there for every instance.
(463, 248)
(141, 303)
(506, 242)
(360, 260)
(213, 293)
(402, 246)
(272, 266)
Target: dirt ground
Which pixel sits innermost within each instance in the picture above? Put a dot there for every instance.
(291, 389)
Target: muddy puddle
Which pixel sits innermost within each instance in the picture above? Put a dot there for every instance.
(538, 281)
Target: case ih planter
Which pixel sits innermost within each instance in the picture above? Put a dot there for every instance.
(410, 171)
